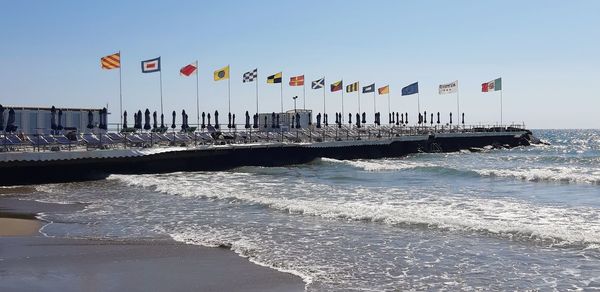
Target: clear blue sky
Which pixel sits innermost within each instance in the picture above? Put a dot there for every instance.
(545, 51)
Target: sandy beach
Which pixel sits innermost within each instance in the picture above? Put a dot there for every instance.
(30, 261)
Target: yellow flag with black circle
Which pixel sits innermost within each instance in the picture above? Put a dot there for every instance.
(222, 73)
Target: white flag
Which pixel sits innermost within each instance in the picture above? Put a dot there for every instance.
(451, 87)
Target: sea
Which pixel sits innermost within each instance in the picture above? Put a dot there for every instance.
(526, 218)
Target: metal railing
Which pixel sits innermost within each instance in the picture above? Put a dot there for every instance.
(237, 134)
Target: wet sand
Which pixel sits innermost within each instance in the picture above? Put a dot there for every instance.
(37, 263)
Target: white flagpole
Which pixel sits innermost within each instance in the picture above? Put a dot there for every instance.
(342, 100)
(389, 103)
(358, 95)
(501, 121)
(419, 102)
(281, 93)
(323, 95)
(161, 91)
(256, 81)
(374, 103)
(197, 97)
(457, 104)
(304, 93)
(229, 89)
(120, 91)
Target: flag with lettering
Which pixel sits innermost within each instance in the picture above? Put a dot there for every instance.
(369, 88)
(447, 88)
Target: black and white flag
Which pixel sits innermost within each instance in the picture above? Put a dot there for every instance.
(250, 76)
(318, 83)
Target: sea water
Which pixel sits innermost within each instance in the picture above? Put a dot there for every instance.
(502, 219)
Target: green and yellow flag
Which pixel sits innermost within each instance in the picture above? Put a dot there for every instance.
(274, 78)
(222, 73)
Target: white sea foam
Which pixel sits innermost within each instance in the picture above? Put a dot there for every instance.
(564, 174)
(381, 164)
(507, 218)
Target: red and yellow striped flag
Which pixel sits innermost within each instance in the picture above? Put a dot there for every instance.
(111, 61)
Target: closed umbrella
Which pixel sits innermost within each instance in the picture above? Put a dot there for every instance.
(397, 119)
(406, 118)
(147, 120)
(53, 118)
(425, 117)
(463, 118)
(10, 127)
(125, 120)
(173, 124)
(90, 124)
(450, 118)
(203, 120)
(364, 118)
(139, 119)
(350, 118)
(402, 119)
(208, 116)
(310, 118)
(319, 120)
(162, 121)
(1, 118)
(229, 121)
(217, 119)
(105, 118)
(431, 120)
(183, 127)
(273, 120)
(155, 119)
(438, 117)
(357, 120)
(59, 126)
(247, 125)
(255, 121)
(233, 121)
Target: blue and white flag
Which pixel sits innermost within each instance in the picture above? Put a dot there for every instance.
(318, 83)
(411, 89)
(150, 66)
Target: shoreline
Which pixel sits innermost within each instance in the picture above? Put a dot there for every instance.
(32, 261)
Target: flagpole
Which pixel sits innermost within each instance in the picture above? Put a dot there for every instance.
(197, 97)
(304, 93)
(358, 95)
(161, 92)
(457, 104)
(229, 90)
(501, 107)
(374, 103)
(323, 96)
(281, 93)
(419, 102)
(120, 91)
(256, 81)
(342, 100)
(389, 103)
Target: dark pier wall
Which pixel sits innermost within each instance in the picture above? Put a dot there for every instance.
(56, 171)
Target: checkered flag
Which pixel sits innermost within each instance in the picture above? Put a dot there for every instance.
(250, 76)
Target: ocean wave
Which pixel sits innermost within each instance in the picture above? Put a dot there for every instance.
(246, 248)
(561, 174)
(506, 218)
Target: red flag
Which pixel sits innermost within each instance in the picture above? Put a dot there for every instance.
(297, 80)
(189, 69)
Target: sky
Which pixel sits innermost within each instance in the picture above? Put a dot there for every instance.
(545, 51)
